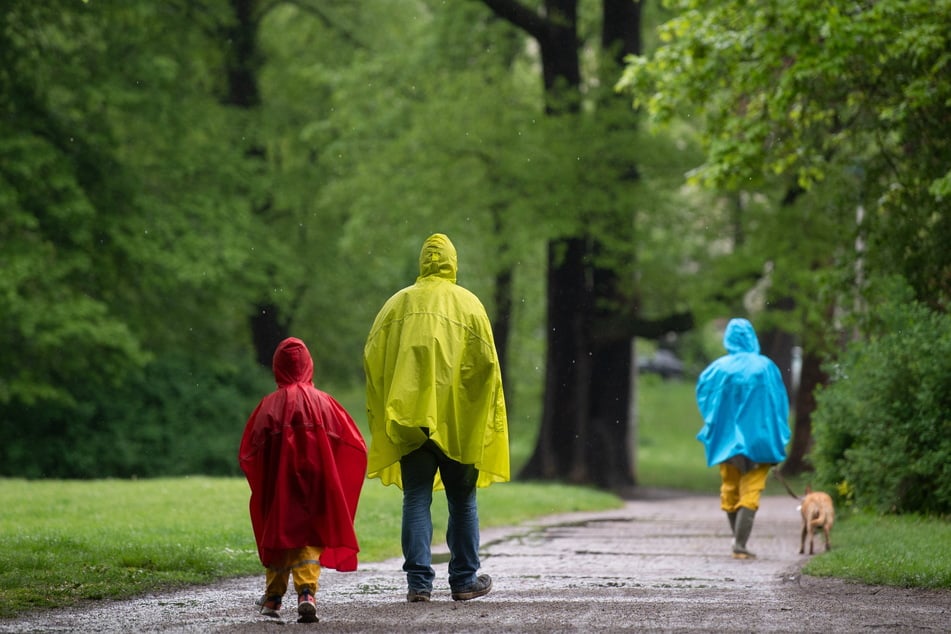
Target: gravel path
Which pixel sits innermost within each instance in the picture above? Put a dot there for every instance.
(657, 564)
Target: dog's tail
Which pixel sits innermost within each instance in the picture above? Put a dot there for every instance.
(780, 477)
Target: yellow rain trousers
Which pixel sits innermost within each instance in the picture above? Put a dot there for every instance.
(433, 372)
(303, 564)
(741, 489)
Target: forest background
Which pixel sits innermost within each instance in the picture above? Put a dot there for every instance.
(185, 183)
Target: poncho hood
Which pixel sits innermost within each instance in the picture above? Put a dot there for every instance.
(292, 363)
(438, 258)
(305, 461)
(743, 401)
(740, 336)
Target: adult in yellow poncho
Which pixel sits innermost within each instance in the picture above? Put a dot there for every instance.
(437, 416)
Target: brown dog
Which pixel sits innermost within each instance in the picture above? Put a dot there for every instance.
(817, 512)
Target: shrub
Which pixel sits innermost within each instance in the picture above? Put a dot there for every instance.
(883, 425)
(178, 416)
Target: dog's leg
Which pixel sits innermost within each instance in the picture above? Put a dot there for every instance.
(802, 542)
(825, 529)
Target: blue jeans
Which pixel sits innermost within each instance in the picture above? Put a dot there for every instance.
(462, 534)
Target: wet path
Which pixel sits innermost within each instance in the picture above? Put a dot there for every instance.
(654, 565)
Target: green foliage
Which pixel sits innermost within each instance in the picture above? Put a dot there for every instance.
(123, 238)
(909, 551)
(145, 216)
(175, 417)
(807, 91)
(61, 542)
(882, 427)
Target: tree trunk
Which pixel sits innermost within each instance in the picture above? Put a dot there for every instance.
(268, 330)
(559, 451)
(812, 377)
(777, 345)
(612, 405)
(242, 62)
(502, 320)
(502, 325)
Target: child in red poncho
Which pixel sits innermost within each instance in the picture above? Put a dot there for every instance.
(305, 461)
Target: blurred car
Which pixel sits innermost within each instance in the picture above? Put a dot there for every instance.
(664, 362)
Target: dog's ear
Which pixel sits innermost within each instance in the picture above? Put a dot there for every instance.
(808, 489)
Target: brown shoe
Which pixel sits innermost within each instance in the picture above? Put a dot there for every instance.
(417, 596)
(478, 589)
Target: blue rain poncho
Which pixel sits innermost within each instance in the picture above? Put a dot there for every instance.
(743, 402)
(433, 372)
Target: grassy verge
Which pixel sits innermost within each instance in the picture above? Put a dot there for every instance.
(64, 541)
(905, 551)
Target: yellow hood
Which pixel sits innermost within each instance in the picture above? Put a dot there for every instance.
(438, 258)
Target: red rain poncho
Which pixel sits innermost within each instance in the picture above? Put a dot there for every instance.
(305, 461)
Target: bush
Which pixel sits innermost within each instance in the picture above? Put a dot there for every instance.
(178, 416)
(883, 425)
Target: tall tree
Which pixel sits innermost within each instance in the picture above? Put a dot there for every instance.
(592, 315)
(268, 51)
(242, 64)
(822, 93)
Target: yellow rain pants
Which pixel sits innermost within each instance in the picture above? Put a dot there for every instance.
(303, 564)
(741, 489)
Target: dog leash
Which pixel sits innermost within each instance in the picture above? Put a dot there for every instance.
(784, 483)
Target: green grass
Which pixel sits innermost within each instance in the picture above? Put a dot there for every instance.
(61, 541)
(893, 550)
(65, 541)
(668, 454)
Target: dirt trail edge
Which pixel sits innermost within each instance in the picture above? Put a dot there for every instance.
(657, 564)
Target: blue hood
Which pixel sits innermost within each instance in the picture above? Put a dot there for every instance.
(740, 337)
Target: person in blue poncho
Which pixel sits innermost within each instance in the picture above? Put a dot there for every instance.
(745, 411)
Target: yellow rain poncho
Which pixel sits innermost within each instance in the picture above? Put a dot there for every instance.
(431, 367)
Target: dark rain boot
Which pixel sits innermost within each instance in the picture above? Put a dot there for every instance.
(741, 533)
(731, 516)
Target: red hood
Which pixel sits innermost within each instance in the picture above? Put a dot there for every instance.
(292, 363)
